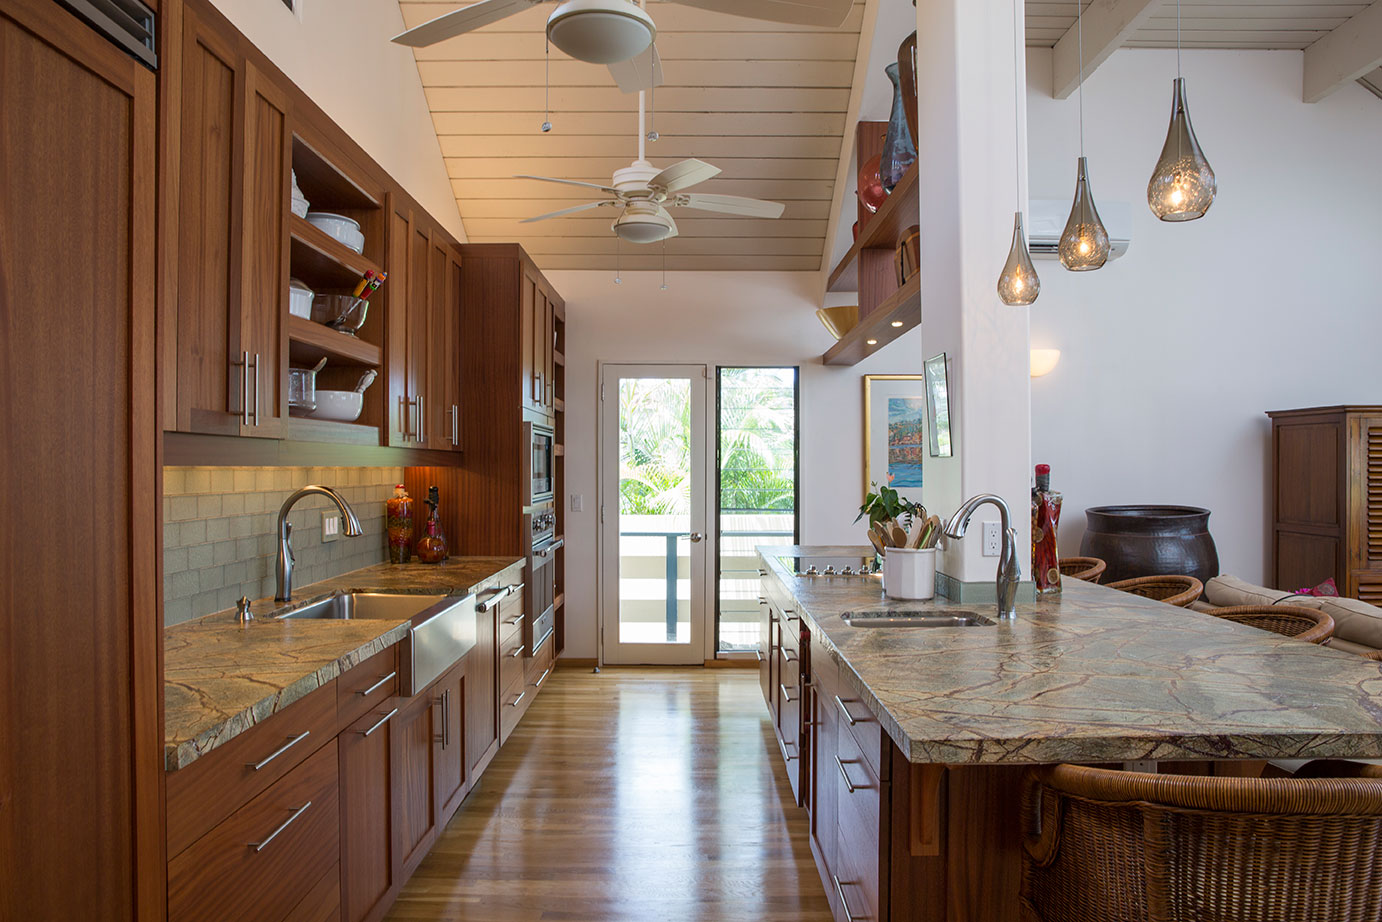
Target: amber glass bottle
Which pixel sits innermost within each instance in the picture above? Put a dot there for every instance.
(400, 526)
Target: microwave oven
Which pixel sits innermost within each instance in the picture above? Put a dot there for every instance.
(539, 473)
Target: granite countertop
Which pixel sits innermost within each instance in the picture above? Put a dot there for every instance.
(1092, 675)
(220, 679)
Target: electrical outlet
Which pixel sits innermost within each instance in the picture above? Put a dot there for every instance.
(577, 502)
(331, 526)
(993, 539)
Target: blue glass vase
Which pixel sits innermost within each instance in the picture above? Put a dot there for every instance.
(899, 152)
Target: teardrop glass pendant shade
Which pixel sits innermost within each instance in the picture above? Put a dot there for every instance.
(1182, 186)
(1084, 244)
(1019, 284)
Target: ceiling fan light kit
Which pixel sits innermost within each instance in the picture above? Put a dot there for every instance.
(644, 222)
(601, 31)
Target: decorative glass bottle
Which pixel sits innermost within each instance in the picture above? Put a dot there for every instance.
(400, 525)
(899, 152)
(431, 547)
(1046, 505)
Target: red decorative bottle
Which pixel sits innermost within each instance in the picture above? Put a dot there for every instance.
(1046, 505)
(400, 526)
(431, 547)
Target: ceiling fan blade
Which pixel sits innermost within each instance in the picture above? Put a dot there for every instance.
(567, 182)
(633, 75)
(732, 204)
(684, 175)
(565, 211)
(827, 13)
(460, 21)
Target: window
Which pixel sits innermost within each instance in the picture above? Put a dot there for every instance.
(757, 469)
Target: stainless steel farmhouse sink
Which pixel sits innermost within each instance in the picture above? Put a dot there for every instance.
(933, 617)
(436, 641)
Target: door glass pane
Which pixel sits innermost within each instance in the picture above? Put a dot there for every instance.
(654, 510)
(757, 490)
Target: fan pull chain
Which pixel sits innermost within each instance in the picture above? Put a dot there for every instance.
(652, 93)
(617, 248)
(664, 263)
(547, 87)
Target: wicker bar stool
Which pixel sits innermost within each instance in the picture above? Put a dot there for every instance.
(1374, 655)
(1113, 846)
(1301, 623)
(1089, 569)
(1173, 590)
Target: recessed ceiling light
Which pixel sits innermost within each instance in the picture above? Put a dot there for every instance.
(897, 323)
(871, 342)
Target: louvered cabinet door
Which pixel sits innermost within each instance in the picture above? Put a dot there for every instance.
(1365, 512)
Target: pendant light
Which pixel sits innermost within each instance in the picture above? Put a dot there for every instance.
(1182, 186)
(1018, 285)
(1084, 243)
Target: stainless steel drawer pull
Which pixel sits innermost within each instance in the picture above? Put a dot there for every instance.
(256, 388)
(516, 619)
(455, 425)
(518, 651)
(445, 702)
(845, 711)
(844, 904)
(499, 596)
(849, 785)
(260, 846)
(789, 656)
(280, 750)
(542, 678)
(377, 685)
(758, 653)
(788, 755)
(383, 720)
(514, 702)
(786, 692)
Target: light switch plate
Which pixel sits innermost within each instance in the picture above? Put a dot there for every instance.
(577, 502)
(331, 526)
(993, 539)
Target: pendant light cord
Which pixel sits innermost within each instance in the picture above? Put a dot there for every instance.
(1178, 73)
(1079, 35)
(1019, 93)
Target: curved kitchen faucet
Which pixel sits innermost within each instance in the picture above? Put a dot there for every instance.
(1009, 573)
(284, 570)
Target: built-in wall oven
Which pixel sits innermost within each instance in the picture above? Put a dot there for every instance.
(538, 470)
(540, 624)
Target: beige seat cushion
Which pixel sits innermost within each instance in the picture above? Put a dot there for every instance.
(1354, 621)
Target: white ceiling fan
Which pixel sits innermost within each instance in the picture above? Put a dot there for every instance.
(643, 193)
(616, 31)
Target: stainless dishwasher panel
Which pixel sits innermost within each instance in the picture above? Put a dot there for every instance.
(438, 641)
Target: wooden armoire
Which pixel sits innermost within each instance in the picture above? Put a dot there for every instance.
(1327, 499)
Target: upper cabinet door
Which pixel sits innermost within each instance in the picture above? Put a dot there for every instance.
(398, 408)
(529, 344)
(202, 172)
(264, 264)
(443, 348)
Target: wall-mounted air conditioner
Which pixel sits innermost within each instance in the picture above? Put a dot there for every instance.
(1047, 220)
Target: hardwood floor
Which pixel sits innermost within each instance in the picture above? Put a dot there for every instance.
(635, 795)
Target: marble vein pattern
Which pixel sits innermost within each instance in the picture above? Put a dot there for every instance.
(1093, 675)
(220, 679)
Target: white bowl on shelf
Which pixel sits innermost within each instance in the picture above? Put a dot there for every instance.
(300, 299)
(338, 406)
(339, 228)
(300, 204)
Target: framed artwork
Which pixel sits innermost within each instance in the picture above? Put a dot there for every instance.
(895, 432)
(938, 402)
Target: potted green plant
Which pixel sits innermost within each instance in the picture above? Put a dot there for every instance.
(884, 506)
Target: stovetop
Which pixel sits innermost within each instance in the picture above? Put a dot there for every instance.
(833, 567)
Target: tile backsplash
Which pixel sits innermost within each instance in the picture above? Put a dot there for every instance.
(219, 539)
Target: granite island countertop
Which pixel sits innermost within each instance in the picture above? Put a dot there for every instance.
(220, 679)
(1092, 675)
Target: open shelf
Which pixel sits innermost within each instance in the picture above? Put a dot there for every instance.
(559, 358)
(882, 232)
(558, 405)
(310, 342)
(323, 263)
(560, 600)
(895, 316)
(559, 451)
(321, 430)
(324, 185)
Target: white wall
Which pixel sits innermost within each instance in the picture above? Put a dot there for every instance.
(725, 318)
(338, 52)
(1171, 355)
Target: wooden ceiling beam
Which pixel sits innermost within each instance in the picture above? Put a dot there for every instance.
(1107, 25)
(1350, 52)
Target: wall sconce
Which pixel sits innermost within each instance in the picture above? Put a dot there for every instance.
(1044, 361)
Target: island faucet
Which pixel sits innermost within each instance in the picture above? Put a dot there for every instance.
(284, 570)
(1009, 573)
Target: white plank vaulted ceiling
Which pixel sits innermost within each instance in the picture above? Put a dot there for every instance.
(764, 102)
(1248, 24)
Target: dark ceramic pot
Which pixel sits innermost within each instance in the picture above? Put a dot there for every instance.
(1151, 541)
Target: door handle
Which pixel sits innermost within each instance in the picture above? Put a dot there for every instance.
(695, 537)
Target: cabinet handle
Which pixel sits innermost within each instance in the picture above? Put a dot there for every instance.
(280, 750)
(499, 596)
(516, 619)
(244, 365)
(845, 711)
(404, 420)
(844, 904)
(377, 685)
(786, 754)
(758, 653)
(789, 656)
(260, 846)
(256, 388)
(786, 693)
(518, 651)
(542, 678)
(421, 427)
(521, 696)
(849, 785)
(455, 425)
(383, 720)
(446, 718)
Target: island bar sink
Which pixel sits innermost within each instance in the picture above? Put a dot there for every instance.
(353, 606)
(934, 617)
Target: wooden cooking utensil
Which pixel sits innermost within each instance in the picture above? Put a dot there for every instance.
(877, 543)
(880, 532)
(897, 536)
(915, 532)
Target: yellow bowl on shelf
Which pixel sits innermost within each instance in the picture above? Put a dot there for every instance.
(839, 320)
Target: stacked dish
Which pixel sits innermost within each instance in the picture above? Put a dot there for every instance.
(339, 228)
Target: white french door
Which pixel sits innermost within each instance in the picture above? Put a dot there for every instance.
(654, 510)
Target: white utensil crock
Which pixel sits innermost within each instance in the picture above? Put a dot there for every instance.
(909, 573)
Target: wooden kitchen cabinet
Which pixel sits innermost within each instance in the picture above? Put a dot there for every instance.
(367, 810)
(415, 788)
(443, 404)
(449, 762)
(538, 313)
(81, 728)
(482, 689)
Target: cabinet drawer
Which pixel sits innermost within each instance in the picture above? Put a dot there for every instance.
(511, 660)
(513, 704)
(210, 789)
(791, 630)
(323, 902)
(859, 832)
(538, 665)
(862, 726)
(368, 685)
(266, 857)
(511, 617)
